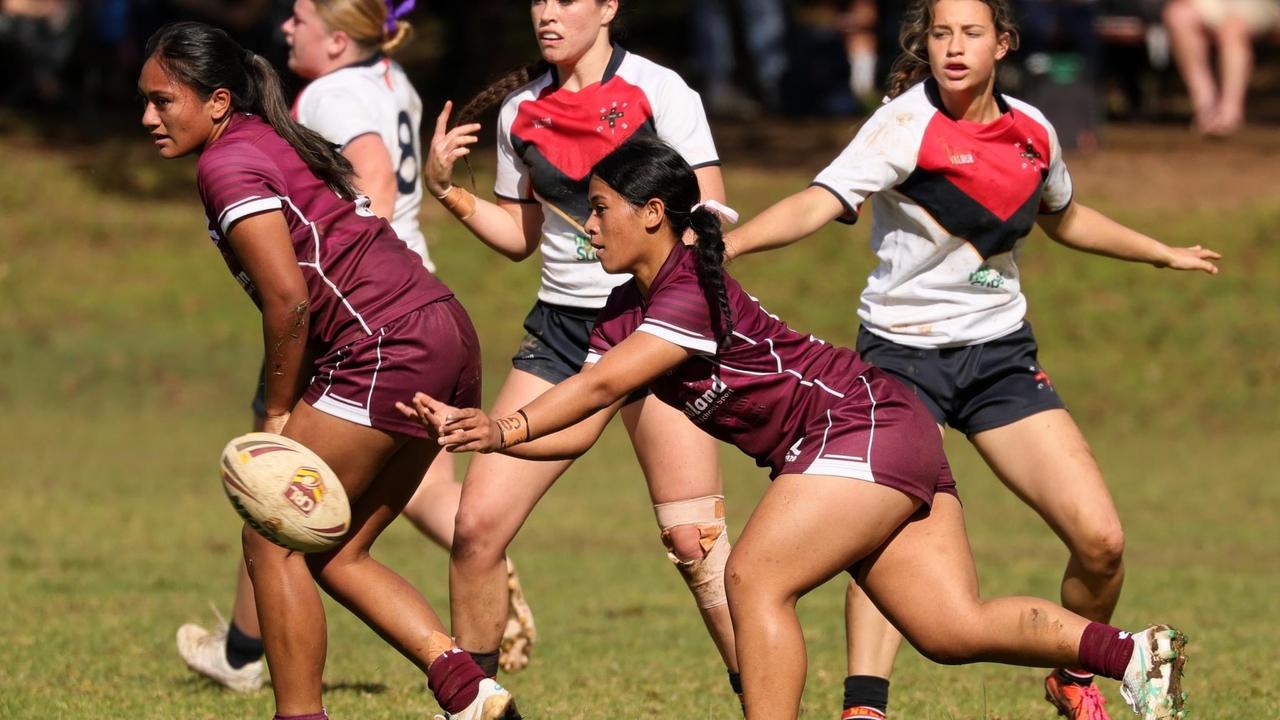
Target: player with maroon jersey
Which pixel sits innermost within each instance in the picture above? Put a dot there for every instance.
(842, 439)
(346, 304)
(957, 175)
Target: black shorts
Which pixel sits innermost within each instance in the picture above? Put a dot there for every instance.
(974, 387)
(556, 343)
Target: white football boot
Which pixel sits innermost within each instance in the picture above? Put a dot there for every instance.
(1152, 683)
(520, 633)
(205, 652)
(493, 702)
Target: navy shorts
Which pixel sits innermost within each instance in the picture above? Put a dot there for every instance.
(973, 387)
(555, 345)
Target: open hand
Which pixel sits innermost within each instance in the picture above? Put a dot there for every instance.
(446, 147)
(1193, 258)
(456, 429)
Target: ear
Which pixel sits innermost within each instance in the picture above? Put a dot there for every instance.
(338, 43)
(219, 104)
(652, 213)
(610, 12)
(1003, 41)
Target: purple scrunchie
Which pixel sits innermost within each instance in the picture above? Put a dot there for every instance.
(395, 12)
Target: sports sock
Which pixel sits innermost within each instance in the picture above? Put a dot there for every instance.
(866, 691)
(454, 678)
(488, 662)
(1075, 677)
(735, 682)
(241, 648)
(322, 715)
(1105, 650)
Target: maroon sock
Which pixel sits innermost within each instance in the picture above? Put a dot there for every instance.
(1105, 650)
(455, 679)
(322, 715)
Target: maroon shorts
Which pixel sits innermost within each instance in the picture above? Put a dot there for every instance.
(433, 349)
(879, 433)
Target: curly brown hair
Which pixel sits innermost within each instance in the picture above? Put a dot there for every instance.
(912, 65)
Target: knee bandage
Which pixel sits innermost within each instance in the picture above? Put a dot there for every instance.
(704, 575)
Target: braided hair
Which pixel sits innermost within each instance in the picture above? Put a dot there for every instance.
(646, 168)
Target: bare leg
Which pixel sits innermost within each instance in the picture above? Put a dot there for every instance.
(434, 505)
(681, 462)
(872, 641)
(379, 472)
(1235, 65)
(491, 512)
(1191, 52)
(1045, 461)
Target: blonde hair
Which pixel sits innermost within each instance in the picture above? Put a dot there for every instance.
(365, 22)
(912, 65)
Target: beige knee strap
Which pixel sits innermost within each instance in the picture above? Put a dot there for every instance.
(704, 576)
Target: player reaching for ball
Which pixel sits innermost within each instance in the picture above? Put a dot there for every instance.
(582, 101)
(284, 214)
(842, 439)
(957, 175)
(360, 100)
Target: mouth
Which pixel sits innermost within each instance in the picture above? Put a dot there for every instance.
(158, 138)
(547, 37)
(955, 71)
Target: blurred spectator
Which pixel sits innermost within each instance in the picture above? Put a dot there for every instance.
(764, 25)
(1060, 62)
(38, 39)
(1217, 103)
(861, 45)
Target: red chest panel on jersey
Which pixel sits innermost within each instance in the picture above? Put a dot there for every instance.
(573, 131)
(999, 165)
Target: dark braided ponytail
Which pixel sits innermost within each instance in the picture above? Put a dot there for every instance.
(646, 168)
(501, 88)
(205, 59)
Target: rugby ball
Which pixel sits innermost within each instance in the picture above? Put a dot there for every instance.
(285, 492)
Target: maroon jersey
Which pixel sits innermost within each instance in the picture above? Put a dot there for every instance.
(759, 393)
(359, 275)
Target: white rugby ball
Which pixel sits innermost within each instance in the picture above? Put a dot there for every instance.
(285, 492)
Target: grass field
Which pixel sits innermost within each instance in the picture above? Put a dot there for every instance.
(128, 357)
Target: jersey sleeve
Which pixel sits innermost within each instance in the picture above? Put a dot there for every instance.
(614, 323)
(338, 114)
(681, 121)
(881, 156)
(679, 313)
(1058, 190)
(237, 185)
(512, 181)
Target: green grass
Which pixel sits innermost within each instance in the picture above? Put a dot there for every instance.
(129, 354)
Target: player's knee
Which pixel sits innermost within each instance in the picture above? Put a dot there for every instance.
(476, 537)
(943, 650)
(1102, 552)
(697, 539)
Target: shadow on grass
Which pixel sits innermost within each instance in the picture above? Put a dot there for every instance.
(198, 683)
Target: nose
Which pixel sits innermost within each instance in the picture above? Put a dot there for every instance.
(150, 118)
(955, 46)
(287, 26)
(592, 225)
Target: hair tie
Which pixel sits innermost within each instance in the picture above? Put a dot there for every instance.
(725, 212)
(395, 12)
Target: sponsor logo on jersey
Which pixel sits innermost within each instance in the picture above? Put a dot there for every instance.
(959, 157)
(986, 277)
(706, 403)
(793, 452)
(542, 122)
(613, 117)
(1031, 157)
(305, 491)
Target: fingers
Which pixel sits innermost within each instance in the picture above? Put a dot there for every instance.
(442, 121)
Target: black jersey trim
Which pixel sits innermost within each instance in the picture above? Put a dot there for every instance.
(852, 211)
(522, 201)
(1062, 209)
(709, 163)
(615, 61)
(934, 94)
(370, 61)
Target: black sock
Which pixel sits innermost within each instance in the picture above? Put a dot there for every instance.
(1073, 679)
(241, 649)
(735, 682)
(867, 691)
(488, 662)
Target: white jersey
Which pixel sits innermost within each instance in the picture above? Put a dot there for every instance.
(549, 139)
(375, 97)
(951, 204)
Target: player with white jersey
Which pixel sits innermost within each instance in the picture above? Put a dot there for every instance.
(583, 100)
(351, 322)
(957, 174)
(361, 101)
(860, 481)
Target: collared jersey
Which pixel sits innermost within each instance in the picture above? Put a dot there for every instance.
(550, 138)
(375, 97)
(951, 204)
(761, 391)
(359, 275)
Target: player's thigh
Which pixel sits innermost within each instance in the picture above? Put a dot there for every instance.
(679, 460)
(923, 577)
(355, 453)
(1045, 460)
(500, 491)
(808, 528)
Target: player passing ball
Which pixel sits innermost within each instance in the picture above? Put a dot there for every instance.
(841, 439)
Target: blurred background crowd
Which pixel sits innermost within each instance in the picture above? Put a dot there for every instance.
(1083, 61)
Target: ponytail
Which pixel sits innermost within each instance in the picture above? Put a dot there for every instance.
(499, 89)
(206, 58)
(646, 168)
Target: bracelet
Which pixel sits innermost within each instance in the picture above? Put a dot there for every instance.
(511, 423)
(462, 204)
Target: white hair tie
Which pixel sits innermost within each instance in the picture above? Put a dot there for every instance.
(725, 212)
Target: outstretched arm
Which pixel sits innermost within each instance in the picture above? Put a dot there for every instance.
(1083, 228)
(785, 222)
(631, 364)
(512, 228)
